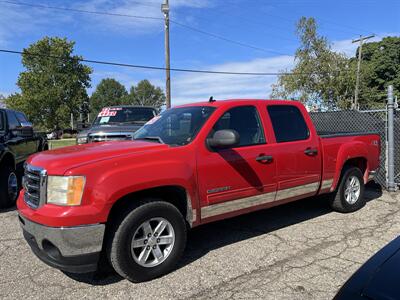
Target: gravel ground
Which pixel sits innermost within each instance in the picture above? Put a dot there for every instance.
(301, 250)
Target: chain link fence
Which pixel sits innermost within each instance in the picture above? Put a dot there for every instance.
(364, 121)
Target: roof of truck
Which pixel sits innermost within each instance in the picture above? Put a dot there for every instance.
(218, 103)
(129, 106)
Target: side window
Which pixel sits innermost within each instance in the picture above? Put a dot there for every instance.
(288, 123)
(21, 117)
(12, 120)
(246, 121)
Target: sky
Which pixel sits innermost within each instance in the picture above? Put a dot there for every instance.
(263, 32)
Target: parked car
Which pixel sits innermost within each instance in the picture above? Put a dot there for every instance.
(17, 142)
(377, 278)
(116, 123)
(133, 201)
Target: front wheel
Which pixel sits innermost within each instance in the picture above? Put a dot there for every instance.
(148, 241)
(349, 195)
(9, 187)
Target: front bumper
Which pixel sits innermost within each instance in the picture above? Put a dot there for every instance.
(71, 249)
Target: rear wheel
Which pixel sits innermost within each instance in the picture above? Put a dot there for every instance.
(349, 195)
(147, 241)
(9, 187)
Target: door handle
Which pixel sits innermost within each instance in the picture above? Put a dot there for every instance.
(311, 152)
(264, 158)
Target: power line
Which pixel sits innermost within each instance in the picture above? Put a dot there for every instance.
(81, 10)
(226, 39)
(145, 17)
(157, 68)
(351, 30)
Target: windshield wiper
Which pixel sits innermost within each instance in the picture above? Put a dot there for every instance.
(136, 122)
(151, 138)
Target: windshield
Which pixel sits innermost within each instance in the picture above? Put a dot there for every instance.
(124, 115)
(176, 126)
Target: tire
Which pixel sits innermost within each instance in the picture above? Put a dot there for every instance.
(8, 176)
(341, 201)
(130, 227)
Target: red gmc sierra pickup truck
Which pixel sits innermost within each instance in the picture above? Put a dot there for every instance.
(132, 202)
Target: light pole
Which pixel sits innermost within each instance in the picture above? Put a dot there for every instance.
(165, 10)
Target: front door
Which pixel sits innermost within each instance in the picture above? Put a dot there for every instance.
(239, 178)
(16, 143)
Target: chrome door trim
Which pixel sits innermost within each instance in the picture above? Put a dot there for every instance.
(327, 183)
(297, 191)
(234, 205)
(243, 203)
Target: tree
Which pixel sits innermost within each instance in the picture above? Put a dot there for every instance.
(146, 94)
(53, 86)
(108, 92)
(321, 76)
(380, 68)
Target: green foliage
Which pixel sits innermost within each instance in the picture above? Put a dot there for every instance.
(146, 94)
(53, 85)
(108, 92)
(321, 75)
(380, 68)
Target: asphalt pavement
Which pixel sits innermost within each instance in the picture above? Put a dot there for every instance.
(301, 250)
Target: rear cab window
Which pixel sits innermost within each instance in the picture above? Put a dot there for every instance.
(288, 123)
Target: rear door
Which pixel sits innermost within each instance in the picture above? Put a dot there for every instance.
(235, 179)
(298, 159)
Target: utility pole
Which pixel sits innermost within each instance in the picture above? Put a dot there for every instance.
(165, 10)
(360, 40)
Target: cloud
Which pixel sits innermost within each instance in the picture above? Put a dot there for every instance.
(16, 22)
(20, 20)
(199, 87)
(134, 8)
(194, 87)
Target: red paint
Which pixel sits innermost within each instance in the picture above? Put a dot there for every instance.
(115, 169)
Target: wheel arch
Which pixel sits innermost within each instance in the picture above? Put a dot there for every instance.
(7, 159)
(360, 162)
(174, 194)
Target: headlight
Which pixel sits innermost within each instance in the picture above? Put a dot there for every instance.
(65, 190)
(82, 140)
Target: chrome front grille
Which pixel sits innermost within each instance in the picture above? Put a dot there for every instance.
(103, 137)
(34, 183)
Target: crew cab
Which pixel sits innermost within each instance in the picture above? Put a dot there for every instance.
(133, 201)
(17, 142)
(116, 123)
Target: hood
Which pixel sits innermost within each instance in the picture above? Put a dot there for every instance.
(111, 128)
(58, 161)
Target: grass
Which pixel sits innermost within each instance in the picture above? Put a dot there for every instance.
(54, 144)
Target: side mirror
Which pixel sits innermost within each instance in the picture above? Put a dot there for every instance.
(224, 139)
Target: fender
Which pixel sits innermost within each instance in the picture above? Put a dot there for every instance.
(4, 150)
(348, 151)
(117, 178)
